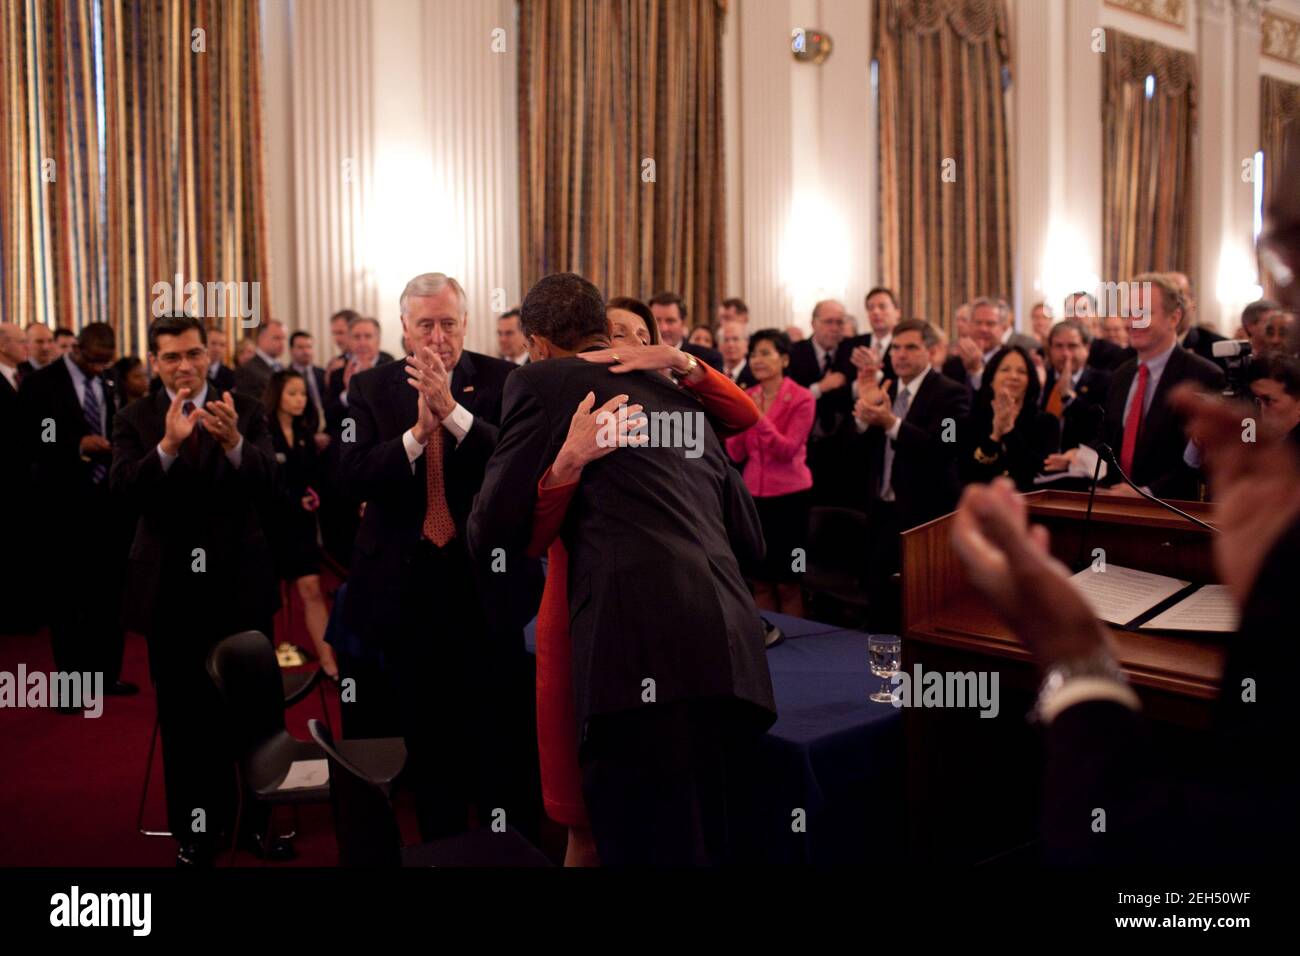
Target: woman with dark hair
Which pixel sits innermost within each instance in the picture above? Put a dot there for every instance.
(774, 453)
(297, 550)
(130, 378)
(702, 336)
(634, 341)
(1006, 433)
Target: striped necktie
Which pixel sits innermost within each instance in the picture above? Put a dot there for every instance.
(90, 407)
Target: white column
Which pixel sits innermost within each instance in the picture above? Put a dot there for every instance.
(1075, 239)
(1216, 164)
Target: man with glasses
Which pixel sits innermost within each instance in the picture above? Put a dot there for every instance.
(198, 469)
(68, 409)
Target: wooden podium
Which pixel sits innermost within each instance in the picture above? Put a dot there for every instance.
(972, 782)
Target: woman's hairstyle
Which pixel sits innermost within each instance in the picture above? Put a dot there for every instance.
(275, 389)
(984, 398)
(780, 341)
(640, 310)
(123, 367)
(713, 339)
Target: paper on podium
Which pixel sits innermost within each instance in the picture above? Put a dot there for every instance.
(306, 773)
(1085, 460)
(1118, 595)
(1208, 609)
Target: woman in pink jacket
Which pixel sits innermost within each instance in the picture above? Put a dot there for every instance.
(776, 472)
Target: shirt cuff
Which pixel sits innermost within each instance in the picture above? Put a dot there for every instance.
(816, 389)
(413, 448)
(1078, 690)
(165, 458)
(343, 398)
(459, 422)
(893, 431)
(236, 455)
(857, 423)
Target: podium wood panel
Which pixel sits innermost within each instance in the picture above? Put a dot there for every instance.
(972, 784)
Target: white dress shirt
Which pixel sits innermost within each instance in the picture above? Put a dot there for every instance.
(459, 422)
(11, 375)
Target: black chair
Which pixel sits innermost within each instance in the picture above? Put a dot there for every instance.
(367, 832)
(836, 575)
(244, 668)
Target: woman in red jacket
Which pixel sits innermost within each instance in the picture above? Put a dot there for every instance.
(635, 340)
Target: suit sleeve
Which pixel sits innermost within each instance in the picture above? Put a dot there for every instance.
(922, 439)
(368, 466)
(137, 470)
(744, 531)
(503, 511)
(258, 473)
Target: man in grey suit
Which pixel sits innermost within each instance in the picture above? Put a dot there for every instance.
(669, 668)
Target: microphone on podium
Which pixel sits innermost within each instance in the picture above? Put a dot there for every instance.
(1105, 451)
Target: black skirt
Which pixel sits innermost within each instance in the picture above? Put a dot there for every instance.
(785, 528)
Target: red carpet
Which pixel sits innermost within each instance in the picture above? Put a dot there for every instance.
(71, 785)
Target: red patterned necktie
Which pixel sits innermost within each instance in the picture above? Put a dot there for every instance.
(438, 525)
(1133, 422)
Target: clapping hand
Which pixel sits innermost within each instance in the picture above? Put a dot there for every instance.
(972, 357)
(1005, 409)
(221, 421)
(874, 407)
(428, 376)
(1008, 561)
(178, 426)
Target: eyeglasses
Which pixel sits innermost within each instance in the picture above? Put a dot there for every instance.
(174, 358)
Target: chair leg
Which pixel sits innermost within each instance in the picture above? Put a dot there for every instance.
(144, 791)
(239, 816)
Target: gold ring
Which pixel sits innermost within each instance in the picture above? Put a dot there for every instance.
(616, 358)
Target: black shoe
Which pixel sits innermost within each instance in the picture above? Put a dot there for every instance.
(194, 856)
(121, 688)
(772, 635)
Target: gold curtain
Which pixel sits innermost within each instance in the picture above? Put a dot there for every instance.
(51, 227)
(945, 194)
(620, 146)
(1279, 111)
(151, 110)
(1147, 143)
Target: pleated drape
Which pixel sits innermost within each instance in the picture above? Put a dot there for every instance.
(945, 193)
(1279, 113)
(155, 133)
(620, 146)
(1147, 166)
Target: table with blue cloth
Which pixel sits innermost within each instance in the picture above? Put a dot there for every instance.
(824, 784)
(833, 754)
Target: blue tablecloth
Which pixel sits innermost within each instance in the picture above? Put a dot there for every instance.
(832, 754)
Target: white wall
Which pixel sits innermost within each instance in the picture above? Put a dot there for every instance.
(390, 152)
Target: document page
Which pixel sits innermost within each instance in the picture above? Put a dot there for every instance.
(1118, 595)
(1209, 608)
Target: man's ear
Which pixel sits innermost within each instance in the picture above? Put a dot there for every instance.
(540, 348)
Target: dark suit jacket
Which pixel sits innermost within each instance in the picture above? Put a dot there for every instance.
(833, 406)
(58, 467)
(924, 477)
(956, 371)
(655, 591)
(210, 505)
(332, 395)
(15, 472)
(374, 468)
(1019, 454)
(1158, 459)
(1234, 803)
(1201, 341)
(252, 376)
(1108, 356)
(710, 357)
(1079, 420)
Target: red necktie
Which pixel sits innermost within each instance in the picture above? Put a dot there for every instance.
(438, 524)
(1133, 423)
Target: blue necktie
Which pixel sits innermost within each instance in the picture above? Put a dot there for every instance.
(901, 401)
(95, 423)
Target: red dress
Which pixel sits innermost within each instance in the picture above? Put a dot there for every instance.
(557, 726)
